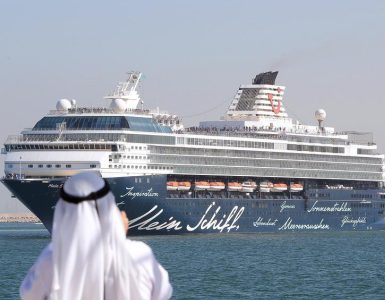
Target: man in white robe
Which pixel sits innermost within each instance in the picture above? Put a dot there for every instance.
(89, 256)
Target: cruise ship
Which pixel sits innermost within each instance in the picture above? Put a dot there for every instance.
(254, 170)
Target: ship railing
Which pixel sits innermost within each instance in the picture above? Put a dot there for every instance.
(270, 134)
(96, 110)
(15, 139)
(262, 130)
(257, 133)
(76, 129)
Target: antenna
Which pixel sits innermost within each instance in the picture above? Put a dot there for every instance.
(125, 95)
(320, 115)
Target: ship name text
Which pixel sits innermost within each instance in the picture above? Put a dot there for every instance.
(261, 222)
(131, 194)
(286, 206)
(211, 219)
(354, 222)
(150, 224)
(337, 207)
(289, 225)
(221, 223)
(55, 186)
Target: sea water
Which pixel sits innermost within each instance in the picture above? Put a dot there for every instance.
(301, 265)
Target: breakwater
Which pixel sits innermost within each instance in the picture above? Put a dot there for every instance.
(18, 218)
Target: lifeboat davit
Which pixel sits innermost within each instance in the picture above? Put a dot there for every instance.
(279, 187)
(249, 186)
(265, 186)
(296, 187)
(172, 185)
(184, 185)
(202, 185)
(217, 186)
(234, 186)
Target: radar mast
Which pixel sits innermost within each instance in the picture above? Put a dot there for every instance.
(126, 95)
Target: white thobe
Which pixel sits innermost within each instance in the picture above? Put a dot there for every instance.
(153, 281)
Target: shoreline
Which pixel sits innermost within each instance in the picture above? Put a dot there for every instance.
(19, 218)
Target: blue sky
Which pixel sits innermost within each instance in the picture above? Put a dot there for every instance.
(194, 55)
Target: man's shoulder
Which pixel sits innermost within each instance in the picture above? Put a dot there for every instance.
(139, 248)
(138, 245)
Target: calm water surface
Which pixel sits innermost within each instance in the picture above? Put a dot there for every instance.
(249, 266)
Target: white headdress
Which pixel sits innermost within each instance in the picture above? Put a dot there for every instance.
(90, 258)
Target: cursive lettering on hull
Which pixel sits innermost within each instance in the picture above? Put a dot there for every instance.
(212, 219)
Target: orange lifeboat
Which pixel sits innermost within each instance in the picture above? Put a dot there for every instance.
(217, 186)
(172, 185)
(296, 187)
(184, 185)
(202, 185)
(234, 186)
(279, 187)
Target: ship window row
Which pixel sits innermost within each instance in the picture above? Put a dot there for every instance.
(118, 166)
(31, 166)
(315, 148)
(102, 137)
(82, 123)
(264, 154)
(128, 166)
(365, 151)
(229, 143)
(150, 139)
(253, 132)
(90, 146)
(138, 147)
(111, 137)
(315, 139)
(204, 160)
(49, 166)
(270, 172)
(118, 157)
